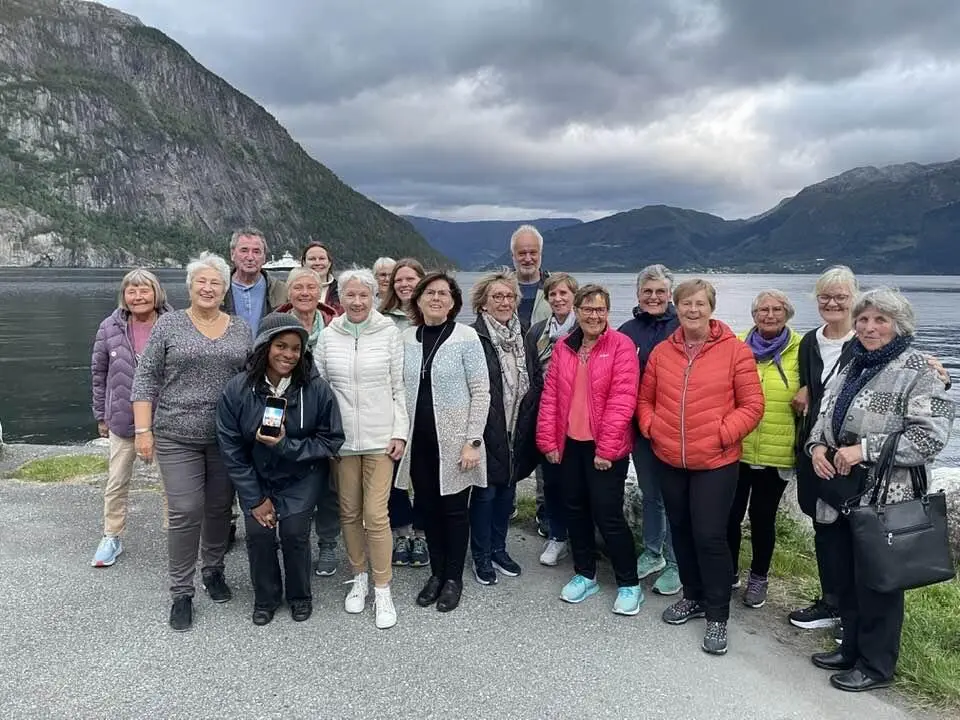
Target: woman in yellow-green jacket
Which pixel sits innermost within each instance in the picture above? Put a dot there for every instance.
(768, 452)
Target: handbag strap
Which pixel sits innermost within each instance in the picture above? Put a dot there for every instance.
(881, 473)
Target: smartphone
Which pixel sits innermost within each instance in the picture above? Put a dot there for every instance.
(273, 413)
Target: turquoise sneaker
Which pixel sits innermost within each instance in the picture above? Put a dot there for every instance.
(107, 552)
(648, 564)
(669, 581)
(579, 589)
(629, 600)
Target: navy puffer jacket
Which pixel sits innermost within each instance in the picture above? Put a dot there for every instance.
(647, 331)
(112, 367)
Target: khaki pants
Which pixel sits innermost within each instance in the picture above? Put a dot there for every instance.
(363, 486)
(115, 494)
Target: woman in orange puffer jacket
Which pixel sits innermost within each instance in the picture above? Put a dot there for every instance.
(700, 397)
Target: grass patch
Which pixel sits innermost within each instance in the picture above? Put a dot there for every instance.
(929, 666)
(60, 468)
(526, 509)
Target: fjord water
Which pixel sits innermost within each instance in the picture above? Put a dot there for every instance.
(48, 318)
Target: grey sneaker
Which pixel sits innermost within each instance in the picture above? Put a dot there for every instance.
(715, 638)
(327, 559)
(419, 553)
(683, 610)
(756, 593)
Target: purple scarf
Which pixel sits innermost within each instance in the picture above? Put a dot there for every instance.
(772, 349)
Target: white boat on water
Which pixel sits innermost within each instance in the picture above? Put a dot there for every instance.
(286, 262)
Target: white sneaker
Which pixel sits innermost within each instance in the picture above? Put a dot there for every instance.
(553, 552)
(357, 597)
(383, 605)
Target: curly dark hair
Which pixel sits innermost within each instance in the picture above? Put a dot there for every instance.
(416, 314)
(256, 365)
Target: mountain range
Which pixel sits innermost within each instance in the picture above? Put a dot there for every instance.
(901, 219)
(118, 148)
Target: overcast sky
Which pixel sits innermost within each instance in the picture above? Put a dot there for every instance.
(477, 109)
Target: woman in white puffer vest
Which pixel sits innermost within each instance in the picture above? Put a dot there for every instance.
(361, 356)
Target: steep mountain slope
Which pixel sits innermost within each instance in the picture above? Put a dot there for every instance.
(118, 147)
(473, 245)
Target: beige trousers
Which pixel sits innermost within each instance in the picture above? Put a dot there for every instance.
(363, 487)
(115, 494)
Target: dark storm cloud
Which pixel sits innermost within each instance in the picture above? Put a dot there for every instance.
(732, 103)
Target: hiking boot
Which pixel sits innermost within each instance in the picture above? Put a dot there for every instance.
(357, 597)
(402, 548)
(505, 564)
(326, 558)
(648, 564)
(181, 614)
(384, 609)
(683, 610)
(715, 638)
(579, 589)
(553, 552)
(669, 581)
(419, 552)
(756, 594)
(216, 586)
(629, 600)
(817, 615)
(108, 551)
(484, 573)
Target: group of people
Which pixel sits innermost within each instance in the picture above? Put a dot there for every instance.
(408, 432)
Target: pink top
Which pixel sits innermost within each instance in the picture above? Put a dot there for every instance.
(139, 334)
(578, 427)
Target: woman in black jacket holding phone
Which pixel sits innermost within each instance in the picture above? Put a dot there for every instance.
(277, 478)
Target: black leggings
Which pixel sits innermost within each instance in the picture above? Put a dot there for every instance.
(761, 489)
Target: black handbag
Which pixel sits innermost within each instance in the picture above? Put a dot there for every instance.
(902, 545)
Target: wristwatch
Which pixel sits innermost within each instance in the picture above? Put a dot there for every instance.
(475, 443)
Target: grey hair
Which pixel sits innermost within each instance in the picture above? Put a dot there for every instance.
(779, 296)
(209, 261)
(523, 230)
(383, 262)
(361, 275)
(891, 303)
(247, 232)
(140, 277)
(658, 272)
(481, 288)
(299, 272)
(837, 275)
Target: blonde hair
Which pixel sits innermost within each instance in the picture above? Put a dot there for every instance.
(692, 287)
(480, 289)
(779, 296)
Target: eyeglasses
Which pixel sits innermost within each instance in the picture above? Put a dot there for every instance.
(838, 299)
(436, 293)
(503, 297)
(779, 310)
(597, 311)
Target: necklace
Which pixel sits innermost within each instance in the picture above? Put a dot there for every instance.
(425, 362)
(204, 323)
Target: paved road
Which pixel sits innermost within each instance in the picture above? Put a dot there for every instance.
(85, 643)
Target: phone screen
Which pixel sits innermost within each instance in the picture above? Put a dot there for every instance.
(272, 417)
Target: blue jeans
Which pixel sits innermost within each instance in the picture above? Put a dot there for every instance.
(657, 539)
(554, 508)
(490, 510)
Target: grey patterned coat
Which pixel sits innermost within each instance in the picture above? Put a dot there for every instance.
(461, 401)
(906, 395)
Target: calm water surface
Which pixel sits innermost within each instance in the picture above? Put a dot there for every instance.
(48, 318)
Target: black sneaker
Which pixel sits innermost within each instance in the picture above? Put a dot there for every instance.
(484, 573)
(683, 610)
(838, 634)
(217, 587)
(181, 614)
(505, 564)
(715, 638)
(543, 528)
(262, 616)
(327, 562)
(818, 615)
(401, 551)
(419, 552)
